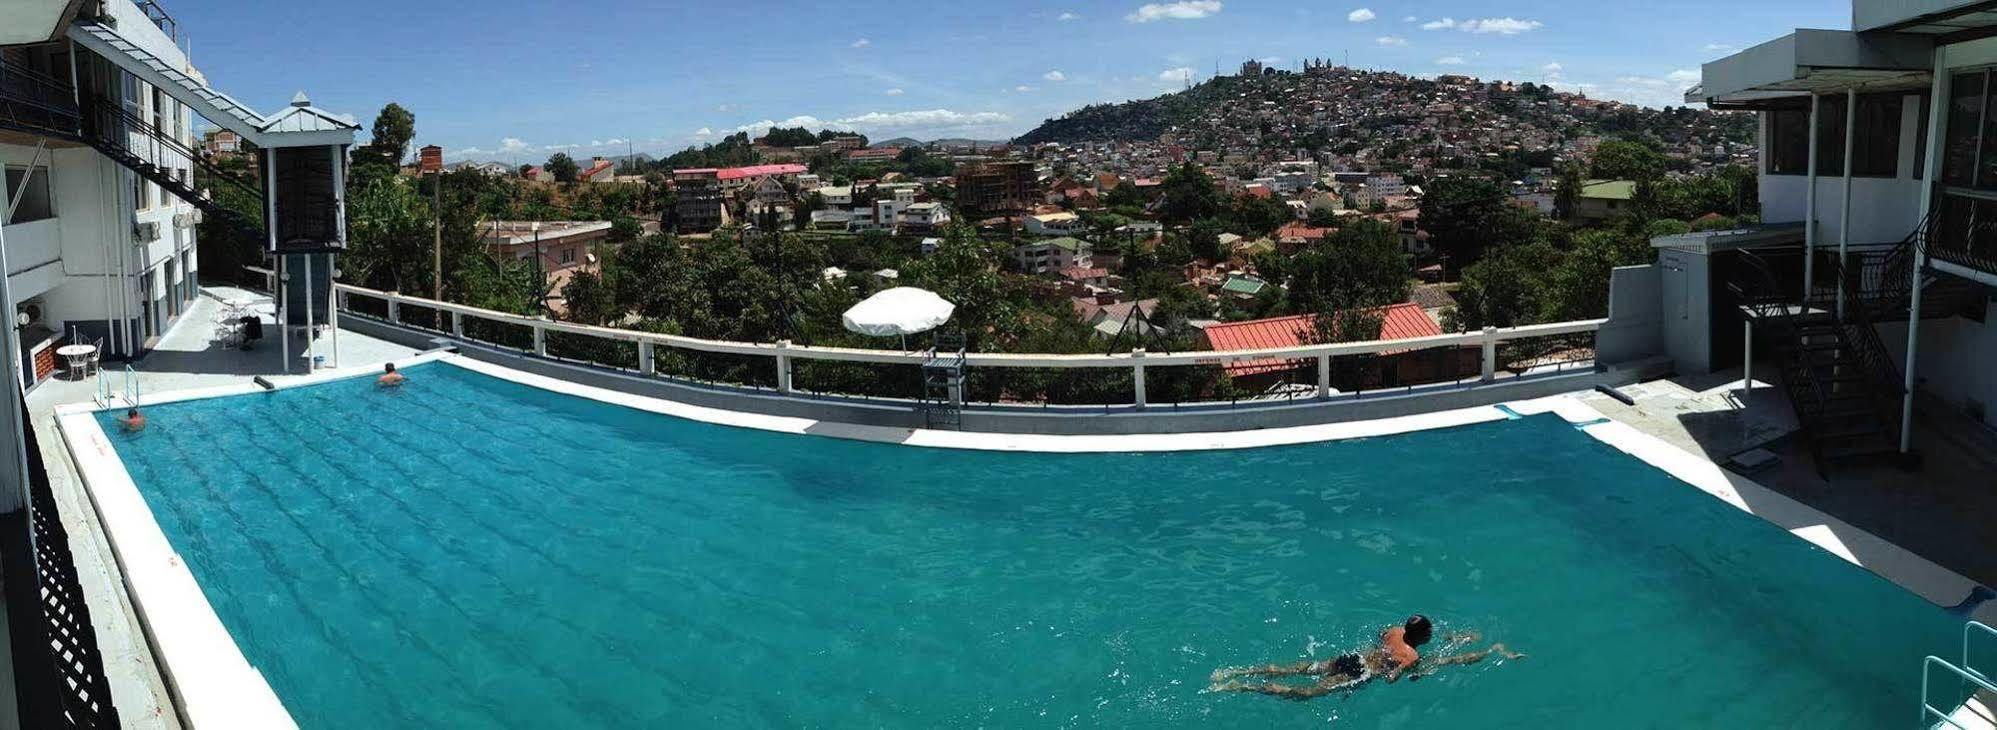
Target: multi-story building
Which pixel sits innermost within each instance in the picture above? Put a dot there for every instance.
(97, 107)
(1871, 276)
(996, 188)
(698, 207)
(561, 245)
(1051, 255)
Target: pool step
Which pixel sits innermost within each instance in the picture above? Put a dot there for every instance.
(1975, 714)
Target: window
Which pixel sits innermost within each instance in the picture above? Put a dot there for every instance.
(159, 110)
(1788, 141)
(1830, 136)
(35, 201)
(1875, 149)
(1965, 118)
(1921, 138)
(568, 255)
(140, 197)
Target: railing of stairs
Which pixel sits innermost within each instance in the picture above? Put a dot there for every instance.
(1966, 673)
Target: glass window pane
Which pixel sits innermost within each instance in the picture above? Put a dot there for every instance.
(1788, 141)
(1876, 146)
(1921, 137)
(35, 201)
(1965, 112)
(1830, 136)
(1986, 175)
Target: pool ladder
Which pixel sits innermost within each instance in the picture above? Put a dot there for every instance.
(1974, 712)
(105, 395)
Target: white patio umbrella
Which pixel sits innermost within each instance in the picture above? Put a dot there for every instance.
(899, 312)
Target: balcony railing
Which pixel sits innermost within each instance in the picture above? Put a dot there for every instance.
(1140, 379)
(1963, 228)
(159, 17)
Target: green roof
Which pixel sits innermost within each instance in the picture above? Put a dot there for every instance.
(1609, 189)
(1243, 285)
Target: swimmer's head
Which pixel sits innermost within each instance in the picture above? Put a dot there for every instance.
(132, 413)
(390, 367)
(1417, 630)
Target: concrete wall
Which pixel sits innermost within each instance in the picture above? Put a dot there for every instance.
(1958, 362)
(1635, 329)
(1685, 288)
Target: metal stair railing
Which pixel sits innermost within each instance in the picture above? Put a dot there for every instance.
(33, 102)
(1966, 672)
(247, 121)
(108, 122)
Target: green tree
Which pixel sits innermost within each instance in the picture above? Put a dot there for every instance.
(1255, 216)
(1624, 159)
(1323, 217)
(1189, 195)
(967, 271)
(1466, 214)
(1567, 191)
(1359, 267)
(1506, 288)
(563, 167)
(589, 300)
(1124, 195)
(394, 127)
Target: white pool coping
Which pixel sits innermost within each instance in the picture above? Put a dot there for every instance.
(216, 686)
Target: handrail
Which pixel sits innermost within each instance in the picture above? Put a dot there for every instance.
(1967, 630)
(982, 359)
(1927, 708)
(114, 112)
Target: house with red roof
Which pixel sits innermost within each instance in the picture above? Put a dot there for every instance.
(1403, 321)
(1294, 237)
(599, 170)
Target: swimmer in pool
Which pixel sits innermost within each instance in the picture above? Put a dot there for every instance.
(1394, 657)
(133, 422)
(389, 378)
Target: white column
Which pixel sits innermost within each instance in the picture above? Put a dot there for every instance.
(648, 364)
(540, 341)
(1137, 375)
(14, 488)
(783, 366)
(333, 304)
(308, 312)
(1746, 360)
(1324, 376)
(1937, 123)
(458, 324)
(1490, 354)
(284, 324)
(1810, 207)
(1844, 211)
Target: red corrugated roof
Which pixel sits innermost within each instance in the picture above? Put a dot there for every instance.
(737, 173)
(1402, 321)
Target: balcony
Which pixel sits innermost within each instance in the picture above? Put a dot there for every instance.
(1964, 229)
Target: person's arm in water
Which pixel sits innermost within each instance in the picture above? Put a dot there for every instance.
(1267, 670)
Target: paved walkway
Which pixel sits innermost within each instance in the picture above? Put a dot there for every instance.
(188, 356)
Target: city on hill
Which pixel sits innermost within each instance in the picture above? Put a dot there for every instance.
(1324, 201)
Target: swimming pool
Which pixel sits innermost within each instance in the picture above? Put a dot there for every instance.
(472, 552)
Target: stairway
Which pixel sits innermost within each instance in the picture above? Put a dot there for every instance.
(216, 106)
(1838, 375)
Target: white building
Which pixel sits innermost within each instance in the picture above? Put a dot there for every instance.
(1899, 272)
(100, 248)
(1053, 224)
(1052, 255)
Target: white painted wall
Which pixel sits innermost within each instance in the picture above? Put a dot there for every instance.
(1884, 210)
(1955, 362)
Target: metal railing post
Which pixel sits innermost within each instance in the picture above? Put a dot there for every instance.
(540, 341)
(394, 312)
(1137, 374)
(647, 365)
(458, 325)
(1324, 376)
(783, 367)
(1490, 355)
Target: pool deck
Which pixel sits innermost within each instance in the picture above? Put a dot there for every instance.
(1682, 426)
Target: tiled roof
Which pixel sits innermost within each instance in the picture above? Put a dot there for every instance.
(737, 173)
(1397, 322)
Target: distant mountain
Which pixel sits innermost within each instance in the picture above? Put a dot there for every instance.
(1348, 111)
(900, 142)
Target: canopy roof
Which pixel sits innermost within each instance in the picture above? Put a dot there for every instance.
(1815, 61)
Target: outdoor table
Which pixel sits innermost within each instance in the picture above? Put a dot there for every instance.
(76, 356)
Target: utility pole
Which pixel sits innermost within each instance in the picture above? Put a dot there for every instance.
(540, 272)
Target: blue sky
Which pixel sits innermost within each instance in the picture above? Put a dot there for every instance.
(516, 80)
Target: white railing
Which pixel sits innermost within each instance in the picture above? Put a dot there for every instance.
(784, 355)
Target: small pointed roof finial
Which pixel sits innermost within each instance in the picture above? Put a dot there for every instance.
(299, 99)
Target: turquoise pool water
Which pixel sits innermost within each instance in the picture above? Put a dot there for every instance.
(468, 552)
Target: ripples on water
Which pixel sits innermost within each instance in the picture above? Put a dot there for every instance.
(472, 553)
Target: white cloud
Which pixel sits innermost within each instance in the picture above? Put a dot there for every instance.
(1360, 16)
(1439, 24)
(1065, 17)
(596, 143)
(1449, 61)
(1409, 19)
(511, 144)
(1391, 40)
(1552, 68)
(1719, 47)
(1178, 75)
(1054, 76)
(862, 43)
(613, 141)
(1022, 88)
(703, 132)
(893, 92)
(1182, 10)
(932, 118)
(1500, 26)
(1683, 76)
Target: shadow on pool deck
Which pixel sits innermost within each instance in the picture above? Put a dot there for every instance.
(1940, 512)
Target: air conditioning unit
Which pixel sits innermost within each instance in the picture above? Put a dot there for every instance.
(33, 310)
(189, 219)
(146, 232)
